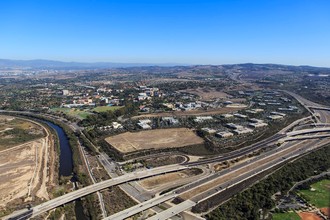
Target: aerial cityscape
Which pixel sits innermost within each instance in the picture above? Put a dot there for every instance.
(164, 109)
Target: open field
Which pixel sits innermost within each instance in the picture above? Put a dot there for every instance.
(207, 94)
(26, 170)
(74, 112)
(154, 139)
(217, 111)
(106, 108)
(286, 216)
(15, 131)
(309, 216)
(319, 194)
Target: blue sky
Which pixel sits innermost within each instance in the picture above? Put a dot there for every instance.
(167, 31)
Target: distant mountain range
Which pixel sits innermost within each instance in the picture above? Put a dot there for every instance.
(60, 65)
(52, 64)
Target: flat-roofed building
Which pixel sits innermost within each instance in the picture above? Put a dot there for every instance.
(278, 113)
(171, 120)
(227, 116)
(224, 134)
(243, 130)
(203, 118)
(240, 116)
(257, 125)
(251, 111)
(209, 130)
(275, 117)
(255, 120)
(258, 110)
(234, 126)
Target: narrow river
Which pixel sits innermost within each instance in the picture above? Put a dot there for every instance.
(66, 164)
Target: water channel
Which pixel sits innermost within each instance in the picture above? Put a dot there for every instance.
(66, 164)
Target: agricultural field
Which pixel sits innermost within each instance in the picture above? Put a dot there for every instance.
(286, 216)
(157, 139)
(73, 112)
(106, 108)
(14, 131)
(318, 194)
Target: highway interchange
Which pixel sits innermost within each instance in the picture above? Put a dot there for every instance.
(293, 143)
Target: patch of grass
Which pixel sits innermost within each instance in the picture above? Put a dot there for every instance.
(106, 108)
(17, 132)
(74, 112)
(321, 196)
(286, 216)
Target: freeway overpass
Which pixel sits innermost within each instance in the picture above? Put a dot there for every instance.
(319, 108)
(305, 137)
(51, 204)
(308, 131)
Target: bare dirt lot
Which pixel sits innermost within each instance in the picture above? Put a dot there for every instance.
(153, 182)
(24, 172)
(207, 94)
(325, 211)
(154, 139)
(309, 216)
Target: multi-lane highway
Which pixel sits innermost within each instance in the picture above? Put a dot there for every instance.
(270, 160)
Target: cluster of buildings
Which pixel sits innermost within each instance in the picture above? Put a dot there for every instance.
(90, 97)
(200, 119)
(114, 125)
(188, 106)
(276, 116)
(144, 124)
(76, 103)
(239, 129)
(171, 120)
(110, 101)
(147, 93)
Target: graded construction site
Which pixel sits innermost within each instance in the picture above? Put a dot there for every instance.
(154, 139)
(27, 162)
